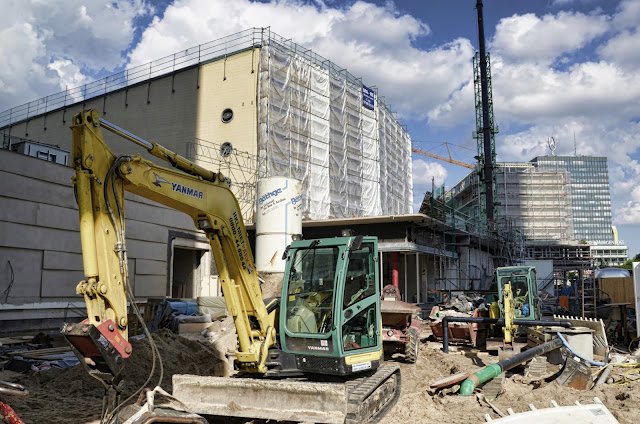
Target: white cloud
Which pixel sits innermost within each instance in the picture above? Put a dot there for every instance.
(623, 49)
(533, 93)
(540, 84)
(529, 38)
(20, 48)
(627, 14)
(424, 173)
(372, 42)
(69, 73)
(42, 39)
(458, 108)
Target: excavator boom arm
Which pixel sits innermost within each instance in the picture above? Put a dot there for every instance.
(101, 179)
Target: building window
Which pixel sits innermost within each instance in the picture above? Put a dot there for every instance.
(227, 115)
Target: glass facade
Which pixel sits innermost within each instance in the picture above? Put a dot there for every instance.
(589, 176)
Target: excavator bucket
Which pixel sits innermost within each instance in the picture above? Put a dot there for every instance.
(600, 344)
(355, 401)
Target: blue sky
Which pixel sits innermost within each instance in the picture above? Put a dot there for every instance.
(561, 68)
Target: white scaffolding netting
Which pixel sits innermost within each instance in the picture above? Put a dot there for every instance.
(352, 161)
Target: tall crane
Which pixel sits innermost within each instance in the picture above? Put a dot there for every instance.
(442, 158)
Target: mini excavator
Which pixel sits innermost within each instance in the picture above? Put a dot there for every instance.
(315, 354)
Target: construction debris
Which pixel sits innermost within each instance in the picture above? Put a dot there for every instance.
(58, 389)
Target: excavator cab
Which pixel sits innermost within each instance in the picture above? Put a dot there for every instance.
(330, 309)
(524, 289)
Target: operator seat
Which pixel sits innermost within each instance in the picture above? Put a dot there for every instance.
(302, 320)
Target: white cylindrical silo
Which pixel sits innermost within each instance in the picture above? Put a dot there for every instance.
(278, 219)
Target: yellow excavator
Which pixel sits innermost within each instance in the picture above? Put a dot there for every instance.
(314, 355)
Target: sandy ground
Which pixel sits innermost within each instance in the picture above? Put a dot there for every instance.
(420, 403)
(71, 396)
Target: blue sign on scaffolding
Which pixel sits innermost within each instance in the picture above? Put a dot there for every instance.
(368, 96)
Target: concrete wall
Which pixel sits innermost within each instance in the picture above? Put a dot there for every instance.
(475, 269)
(40, 252)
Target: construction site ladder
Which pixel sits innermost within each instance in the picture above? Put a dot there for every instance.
(589, 298)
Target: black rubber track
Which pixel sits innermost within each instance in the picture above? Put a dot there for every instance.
(363, 387)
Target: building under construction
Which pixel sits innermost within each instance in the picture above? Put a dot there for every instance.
(250, 105)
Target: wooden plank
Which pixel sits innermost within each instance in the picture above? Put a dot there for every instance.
(41, 353)
(10, 341)
(151, 308)
(192, 327)
(620, 289)
(536, 337)
(135, 327)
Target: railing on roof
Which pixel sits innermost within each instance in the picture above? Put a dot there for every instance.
(192, 56)
(234, 43)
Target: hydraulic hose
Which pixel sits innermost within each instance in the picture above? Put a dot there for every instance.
(491, 371)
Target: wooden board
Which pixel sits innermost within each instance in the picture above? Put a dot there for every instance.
(135, 327)
(17, 340)
(620, 289)
(536, 337)
(192, 327)
(48, 354)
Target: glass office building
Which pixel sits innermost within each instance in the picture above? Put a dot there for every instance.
(591, 200)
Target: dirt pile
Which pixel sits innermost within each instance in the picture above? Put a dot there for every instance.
(71, 396)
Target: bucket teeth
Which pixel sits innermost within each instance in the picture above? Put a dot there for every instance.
(600, 344)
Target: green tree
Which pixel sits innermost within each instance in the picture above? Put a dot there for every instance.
(629, 263)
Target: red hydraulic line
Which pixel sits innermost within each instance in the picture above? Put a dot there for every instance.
(394, 269)
(8, 413)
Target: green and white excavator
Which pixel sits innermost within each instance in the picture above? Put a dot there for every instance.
(314, 355)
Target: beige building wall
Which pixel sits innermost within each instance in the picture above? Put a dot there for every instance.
(170, 110)
(229, 83)
(161, 110)
(174, 110)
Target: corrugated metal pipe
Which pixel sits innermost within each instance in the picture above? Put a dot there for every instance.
(494, 370)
